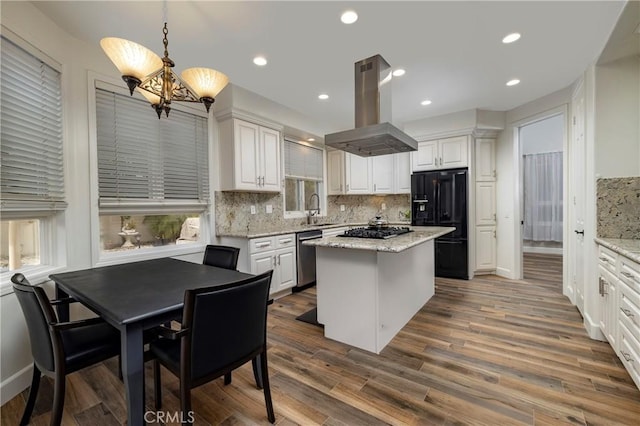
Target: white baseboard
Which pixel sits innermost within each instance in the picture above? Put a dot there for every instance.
(593, 329)
(15, 384)
(505, 273)
(543, 250)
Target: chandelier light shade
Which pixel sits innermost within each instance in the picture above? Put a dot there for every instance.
(207, 83)
(154, 77)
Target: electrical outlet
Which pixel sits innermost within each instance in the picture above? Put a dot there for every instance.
(269, 209)
(341, 207)
(383, 206)
(253, 209)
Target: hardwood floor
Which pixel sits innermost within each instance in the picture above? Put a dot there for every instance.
(487, 351)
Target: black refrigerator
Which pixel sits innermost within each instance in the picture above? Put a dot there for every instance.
(439, 198)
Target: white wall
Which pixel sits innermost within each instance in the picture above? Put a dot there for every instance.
(617, 132)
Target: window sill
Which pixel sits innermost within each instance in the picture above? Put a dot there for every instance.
(137, 255)
(35, 275)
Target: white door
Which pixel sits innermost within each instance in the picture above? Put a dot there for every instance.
(425, 157)
(453, 152)
(382, 173)
(286, 265)
(270, 150)
(247, 169)
(402, 174)
(575, 288)
(485, 247)
(335, 172)
(485, 203)
(262, 262)
(358, 174)
(485, 160)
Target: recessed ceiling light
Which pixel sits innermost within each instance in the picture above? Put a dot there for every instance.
(260, 61)
(311, 140)
(513, 82)
(511, 38)
(425, 102)
(323, 96)
(349, 17)
(398, 72)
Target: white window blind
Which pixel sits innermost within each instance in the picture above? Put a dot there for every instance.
(32, 177)
(147, 163)
(302, 161)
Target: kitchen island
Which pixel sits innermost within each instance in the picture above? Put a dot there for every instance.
(368, 289)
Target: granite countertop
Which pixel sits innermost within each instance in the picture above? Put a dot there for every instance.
(249, 233)
(627, 248)
(397, 244)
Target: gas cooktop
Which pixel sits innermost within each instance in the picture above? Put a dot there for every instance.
(373, 232)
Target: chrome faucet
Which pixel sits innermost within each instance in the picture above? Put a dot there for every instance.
(313, 213)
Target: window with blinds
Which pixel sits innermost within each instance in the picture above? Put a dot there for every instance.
(149, 164)
(32, 177)
(303, 169)
(31, 162)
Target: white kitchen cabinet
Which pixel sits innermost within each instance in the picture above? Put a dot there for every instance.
(277, 253)
(402, 173)
(485, 248)
(382, 168)
(250, 157)
(437, 154)
(358, 174)
(607, 289)
(485, 203)
(619, 294)
(352, 174)
(485, 160)
(335, 172)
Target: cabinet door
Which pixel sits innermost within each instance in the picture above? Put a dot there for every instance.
(402, 174)
(262, 262)
(335, 172)
(286, 266)
(608, 298)
(358, 174)
(485, 247)
(485, 160)
(485, 203)
(382, 173)
(270, 159)
(453, 152)
(425, 157)
(247, 152)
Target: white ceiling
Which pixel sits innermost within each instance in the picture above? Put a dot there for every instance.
(451, 50)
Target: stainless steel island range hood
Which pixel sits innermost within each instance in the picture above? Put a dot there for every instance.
(374, 134)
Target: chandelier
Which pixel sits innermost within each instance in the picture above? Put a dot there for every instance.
(154, 77)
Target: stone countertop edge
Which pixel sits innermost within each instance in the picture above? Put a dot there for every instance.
(294, 229)
(397, 244)
(626, 247)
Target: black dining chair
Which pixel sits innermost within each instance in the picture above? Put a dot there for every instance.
(223, 328)
(221, 256)
(59, 348)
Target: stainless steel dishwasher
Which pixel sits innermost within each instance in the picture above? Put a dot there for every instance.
(306, 259)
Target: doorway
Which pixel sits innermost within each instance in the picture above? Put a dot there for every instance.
(542, 206)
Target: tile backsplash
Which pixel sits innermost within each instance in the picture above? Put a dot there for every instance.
(618, 207)
(233, 211)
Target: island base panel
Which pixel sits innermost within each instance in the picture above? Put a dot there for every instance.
(366, 297)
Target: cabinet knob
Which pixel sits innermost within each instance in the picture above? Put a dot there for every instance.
(626, 356)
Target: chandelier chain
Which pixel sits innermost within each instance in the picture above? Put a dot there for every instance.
(165, 31)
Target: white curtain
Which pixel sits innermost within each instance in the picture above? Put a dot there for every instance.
(543, 197)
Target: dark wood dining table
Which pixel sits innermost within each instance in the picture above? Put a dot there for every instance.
(134, 297)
